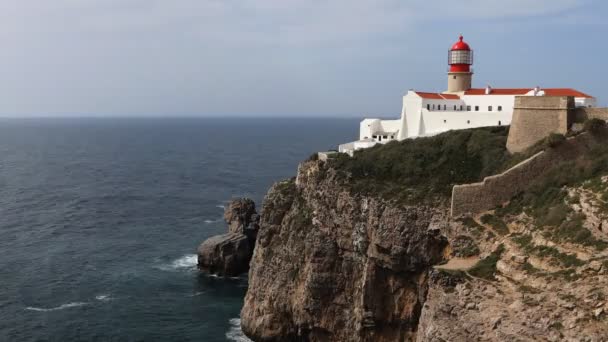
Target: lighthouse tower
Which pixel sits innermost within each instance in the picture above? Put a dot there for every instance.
(460, 59)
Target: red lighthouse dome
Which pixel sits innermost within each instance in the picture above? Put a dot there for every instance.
(460, 57)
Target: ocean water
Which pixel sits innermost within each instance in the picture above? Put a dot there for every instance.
(100, 220)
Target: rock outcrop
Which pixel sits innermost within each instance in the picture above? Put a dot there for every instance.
(330, 266)
(229, 254)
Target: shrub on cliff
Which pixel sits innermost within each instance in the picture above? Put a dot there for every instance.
(555, 139)
(596, 127)
(425, 168)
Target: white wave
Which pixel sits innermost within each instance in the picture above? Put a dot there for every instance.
(221, 206)
(196, 294)
(212, 221)
(61, 307)
(188, 261)
(235, 333)
(103, 297)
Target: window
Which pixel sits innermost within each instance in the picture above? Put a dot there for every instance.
(468, 108)
(477, 108)
(489, 108)
(384, 137)
(374, 136)
(461, 107)
(499, 124)
(445, 121)
(428, 107)
(444, 107)
(454, 107)
(468, 121)
(500, 108)
(454, 76)
(433, 107)
(392, 137)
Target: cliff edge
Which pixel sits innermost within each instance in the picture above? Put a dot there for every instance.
(365, 249)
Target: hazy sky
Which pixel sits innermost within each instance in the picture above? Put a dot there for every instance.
(283, 57)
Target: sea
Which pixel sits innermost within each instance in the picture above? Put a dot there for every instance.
(100, 219)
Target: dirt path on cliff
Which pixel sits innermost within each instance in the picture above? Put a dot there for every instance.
(461, 264)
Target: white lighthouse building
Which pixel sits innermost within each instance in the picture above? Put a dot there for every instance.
(459, 107)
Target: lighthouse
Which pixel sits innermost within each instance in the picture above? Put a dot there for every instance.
(460, 59)
(426, 113)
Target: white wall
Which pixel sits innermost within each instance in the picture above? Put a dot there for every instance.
(438, 122)
(484, 101)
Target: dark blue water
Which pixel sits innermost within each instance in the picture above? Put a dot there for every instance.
(100, 220)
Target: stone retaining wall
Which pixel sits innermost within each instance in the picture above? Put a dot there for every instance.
(582, 114)
(497, 189)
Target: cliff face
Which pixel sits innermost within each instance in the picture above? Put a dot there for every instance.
(330, 266)
(335, 264)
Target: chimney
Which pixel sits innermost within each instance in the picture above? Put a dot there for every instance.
(488, 89)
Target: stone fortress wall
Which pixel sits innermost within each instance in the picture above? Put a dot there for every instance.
(498, 189)
(535, 117)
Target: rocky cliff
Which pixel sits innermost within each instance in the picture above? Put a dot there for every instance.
(334, 263)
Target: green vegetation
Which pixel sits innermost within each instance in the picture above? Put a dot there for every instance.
(595, 127)
(425, 168)
(525, 243)
(555, 139)
(496, 223)
(474, 228)
(529, 289)
(528, 268)
(573, 231)
(464, 246)
(486, 268)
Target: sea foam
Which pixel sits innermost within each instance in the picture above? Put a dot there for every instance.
(235, 333)
(60, 307)
(186, 262)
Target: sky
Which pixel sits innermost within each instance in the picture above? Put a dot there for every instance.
(292, 58)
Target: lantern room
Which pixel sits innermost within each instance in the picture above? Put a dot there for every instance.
(460, 57)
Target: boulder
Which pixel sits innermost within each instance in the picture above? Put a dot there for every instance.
(227, 254)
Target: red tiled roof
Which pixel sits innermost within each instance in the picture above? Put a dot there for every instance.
(498, 91)
(437, 96)
(523, 91)
(565, 92)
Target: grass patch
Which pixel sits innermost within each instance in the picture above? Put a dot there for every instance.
(568, 260)
(497, 224)
(569, 274)
(529, 289)
(574, 232)
(556, 326)
(528, 268)
(486, 268)
(524, 241)
(424, 168)
(473, 227)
